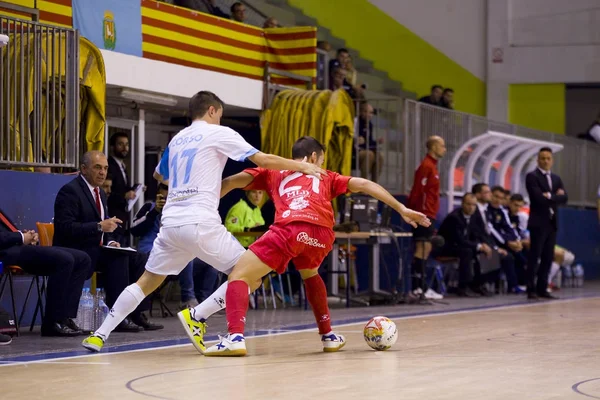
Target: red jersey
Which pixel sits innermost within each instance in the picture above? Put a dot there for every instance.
(298, 197)
(425, 193)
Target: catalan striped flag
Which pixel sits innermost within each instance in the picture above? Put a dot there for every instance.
(180, 36)
(185, 37)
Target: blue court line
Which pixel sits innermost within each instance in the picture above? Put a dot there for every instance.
(264, 332)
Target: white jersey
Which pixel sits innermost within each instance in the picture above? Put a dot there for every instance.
(193, 163)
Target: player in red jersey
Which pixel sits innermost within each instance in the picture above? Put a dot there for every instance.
(302, 233)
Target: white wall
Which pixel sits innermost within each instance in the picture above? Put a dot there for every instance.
(554, 22)
(155, 76)
(543, 41)
(456, 28)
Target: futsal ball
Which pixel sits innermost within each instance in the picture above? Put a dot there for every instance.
(380, 333)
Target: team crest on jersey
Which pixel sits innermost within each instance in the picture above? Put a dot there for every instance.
(234, 220)
(424, 181)
(498, 218)
(286, 214)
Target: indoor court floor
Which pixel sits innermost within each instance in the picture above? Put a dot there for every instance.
(495, 348)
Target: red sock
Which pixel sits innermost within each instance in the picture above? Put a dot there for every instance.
(316, 293)
(236, 300)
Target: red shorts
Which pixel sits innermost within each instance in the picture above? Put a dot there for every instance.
(303, 243)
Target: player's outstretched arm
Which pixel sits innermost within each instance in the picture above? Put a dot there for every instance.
(237, 181)
(271, 161)
(360, 185)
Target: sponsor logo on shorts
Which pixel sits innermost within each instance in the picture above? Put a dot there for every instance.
(304, 238)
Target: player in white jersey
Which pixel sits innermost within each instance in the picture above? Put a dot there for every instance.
(191, 226)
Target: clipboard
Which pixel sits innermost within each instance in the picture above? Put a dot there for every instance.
(124, 249)
(491, 264)
(138, 189)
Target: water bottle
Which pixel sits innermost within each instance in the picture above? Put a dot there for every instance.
(578, 275)
(558, 278)
(103, 306)
(88, 306)
(567, 276)
(79, 319)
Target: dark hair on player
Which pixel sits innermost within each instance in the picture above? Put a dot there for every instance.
(113, 139)
(305, 146)
(548, 149)
(201, 102)
(517, 197)
(478, 187)
(162, 186)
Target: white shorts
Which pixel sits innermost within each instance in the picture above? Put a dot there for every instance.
(176, 246)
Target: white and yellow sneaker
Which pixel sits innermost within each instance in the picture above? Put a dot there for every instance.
(332, 342)
(232, 345)
(93, 343)
(195, 329)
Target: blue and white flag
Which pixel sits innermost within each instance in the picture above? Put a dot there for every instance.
(110, 24)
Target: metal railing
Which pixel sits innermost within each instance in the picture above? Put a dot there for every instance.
(379, 142)
(271, 89)
(322, 69)
(578, 164)
(39, 95)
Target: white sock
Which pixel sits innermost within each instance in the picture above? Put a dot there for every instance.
(214, 303)
(128, 301)
(553, 271)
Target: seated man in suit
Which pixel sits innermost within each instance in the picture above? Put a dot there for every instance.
(506, 236)
(460, 242)
(66, 269)
(481, 228)
(81, 221)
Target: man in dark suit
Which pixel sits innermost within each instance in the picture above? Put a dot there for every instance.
(121, 187)
(81, 221)
(66, 269)
(459, 241)
(482, 232)
(546, 192)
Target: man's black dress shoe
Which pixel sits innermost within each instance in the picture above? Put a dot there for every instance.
(127, 326)
(58, 329)
(145, 323)
(70, 323)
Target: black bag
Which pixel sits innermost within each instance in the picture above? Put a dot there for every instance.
(8, 325)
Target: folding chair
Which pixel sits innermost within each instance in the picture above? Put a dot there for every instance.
(7, 275)
(444, 267)
(165, 311)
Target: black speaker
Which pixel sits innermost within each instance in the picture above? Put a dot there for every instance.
(362, 210)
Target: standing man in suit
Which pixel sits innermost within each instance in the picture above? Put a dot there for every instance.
(66, 269)
(81, 221)
(121, 187)
(546, 192)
